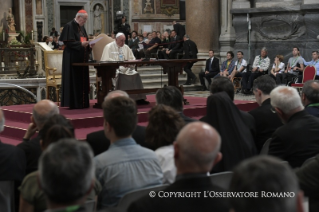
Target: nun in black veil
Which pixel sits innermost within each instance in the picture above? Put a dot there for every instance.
(237, 141)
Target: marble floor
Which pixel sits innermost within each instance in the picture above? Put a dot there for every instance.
(238, 96)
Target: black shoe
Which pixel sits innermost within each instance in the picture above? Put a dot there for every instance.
(204, 88)
(187, 83)
(142, 102)
(194, 80)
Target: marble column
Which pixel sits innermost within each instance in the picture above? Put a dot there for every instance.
(238, 4)
(202, 23)
(228, 36)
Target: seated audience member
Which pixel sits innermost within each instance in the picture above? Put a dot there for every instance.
(165, 39)
(126, 166)
(145, 36)
(228, 65)
(42, 111)
(238, 142)
(196, 151)
(99, 143)
(221, 84)
(55, 43)
(45, 39)
(174, 47)
(140, 50)
(260, 67)
(159, 35)
(152, 46)
(164, 123)
(173, 97)
(294, 67)
(314, 62)
(240, 67)
(133, 43)
(266, 121)
(31, 196)
(298, 139)
(66, 175)
(264, 176)
(310, 97)
(211, 70)
(190, 52)
(51, 42)
(12, 159)
(146, 41)
(278, 68)
(308, 176)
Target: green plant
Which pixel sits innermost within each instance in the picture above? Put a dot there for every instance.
(15, 42)
(25, 37)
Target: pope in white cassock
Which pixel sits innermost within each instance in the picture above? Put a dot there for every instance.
(126, 77)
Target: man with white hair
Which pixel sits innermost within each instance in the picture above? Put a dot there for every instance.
(66, 175)
(119, 51)
(75, 79)
(196, 151)
(298, 139)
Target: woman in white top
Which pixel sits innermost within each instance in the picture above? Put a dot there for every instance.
(164, 123)
(278, 69)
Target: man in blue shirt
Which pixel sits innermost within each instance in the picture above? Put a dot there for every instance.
(125, 166)
(314, 62)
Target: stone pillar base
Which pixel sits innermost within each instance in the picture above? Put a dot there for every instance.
(241, 4)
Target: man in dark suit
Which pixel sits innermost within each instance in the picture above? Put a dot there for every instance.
(100, 143)
(32, 148)
(310, 97)
(133, 43)
(125, 28)
(174, 47)
(190, 52)
(172, 96)
(192, 162)
(211, 70)
(298, 139)
(266, 121)
(221, 84)
(180, 29)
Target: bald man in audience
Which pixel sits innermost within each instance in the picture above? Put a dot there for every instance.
(197, 150)
(298, 139)
(100, 143)
(310, 97)
(42, 111)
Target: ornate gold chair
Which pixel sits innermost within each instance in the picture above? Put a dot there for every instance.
(53, 72)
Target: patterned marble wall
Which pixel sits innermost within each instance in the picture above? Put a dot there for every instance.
(50, 17)
(28, 16)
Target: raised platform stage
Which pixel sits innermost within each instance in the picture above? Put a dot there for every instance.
(91, 119)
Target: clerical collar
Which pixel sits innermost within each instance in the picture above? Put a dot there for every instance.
(76, 22)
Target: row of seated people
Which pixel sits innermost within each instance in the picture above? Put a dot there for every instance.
(129, 157)
(239, 68)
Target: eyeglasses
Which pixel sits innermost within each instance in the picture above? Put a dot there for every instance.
(84, 18)
(273, 109)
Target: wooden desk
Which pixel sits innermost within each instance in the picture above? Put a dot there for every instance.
(107, 70)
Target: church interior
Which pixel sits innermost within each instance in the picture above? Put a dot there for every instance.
(164, 51)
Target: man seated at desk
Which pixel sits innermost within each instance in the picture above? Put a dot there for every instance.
(130, 79)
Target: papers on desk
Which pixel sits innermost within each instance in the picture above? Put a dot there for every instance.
(95, 41)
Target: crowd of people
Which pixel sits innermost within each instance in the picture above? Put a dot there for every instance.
(56, 171)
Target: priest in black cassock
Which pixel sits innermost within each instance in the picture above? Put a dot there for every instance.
(75, 79)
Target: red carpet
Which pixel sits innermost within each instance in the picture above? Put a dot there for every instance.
(91, 119)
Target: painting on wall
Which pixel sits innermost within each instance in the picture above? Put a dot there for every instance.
(148, 6)
(169, 7)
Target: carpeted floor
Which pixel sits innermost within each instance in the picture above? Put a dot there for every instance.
(91, 119)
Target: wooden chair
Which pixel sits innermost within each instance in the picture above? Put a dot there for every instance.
(97, 49)
(53, 71)
(222, 179)
(308, 74)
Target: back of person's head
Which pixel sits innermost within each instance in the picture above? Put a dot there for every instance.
(264, 176)
(42, 111)
(2, 121)
(170, 96)
(220, 84)
(164, 123)
(265, 84)
(115, 93)
(121, 114)
(197, 148)
(286, 99)
(54, 129)
(66, 171)
(311, 91)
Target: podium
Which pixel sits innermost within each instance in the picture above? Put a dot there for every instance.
(107, 70)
